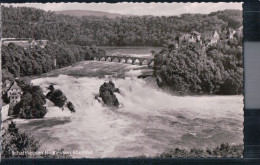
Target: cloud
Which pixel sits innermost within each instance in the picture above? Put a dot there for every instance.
(157, 9)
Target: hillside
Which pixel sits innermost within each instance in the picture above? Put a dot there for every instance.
(81, 13)
(17, 22)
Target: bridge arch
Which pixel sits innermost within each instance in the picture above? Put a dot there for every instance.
(122, 60)
(102, 58)
(115, 60)
(129, 61)
(109, 59)
(145, 62)
(136, 62)
(96, 58)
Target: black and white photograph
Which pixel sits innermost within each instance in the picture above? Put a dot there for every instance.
(122, 80)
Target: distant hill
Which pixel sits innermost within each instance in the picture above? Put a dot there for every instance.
(81, 13)
(71, 28)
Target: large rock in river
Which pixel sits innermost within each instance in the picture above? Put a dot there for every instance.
(106, 92)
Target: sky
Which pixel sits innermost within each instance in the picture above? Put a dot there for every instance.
(157, 9)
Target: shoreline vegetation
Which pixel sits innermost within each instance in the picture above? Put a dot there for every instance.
(224, 150)
(188, 70)
(191, 70)
(16, 144)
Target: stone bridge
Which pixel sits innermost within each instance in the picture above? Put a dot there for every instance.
(126, 60)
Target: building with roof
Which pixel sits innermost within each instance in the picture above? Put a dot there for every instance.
(211, 37)
(196, 35)
(192, 37)
(26, 43)
(186, 38)
(230, 33)
(14, 94)
(42, 43)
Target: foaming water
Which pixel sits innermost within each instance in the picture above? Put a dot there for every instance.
(149, 120)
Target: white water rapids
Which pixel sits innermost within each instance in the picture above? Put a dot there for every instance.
(149, 120)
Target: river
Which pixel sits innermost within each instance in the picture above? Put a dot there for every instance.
(149, 120)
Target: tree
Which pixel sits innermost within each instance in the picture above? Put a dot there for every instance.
(32, 104)
(14, 142)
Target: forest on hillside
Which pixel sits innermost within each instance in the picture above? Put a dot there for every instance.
(26, 62)
(19, 22)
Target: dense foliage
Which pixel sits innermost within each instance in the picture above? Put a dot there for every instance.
(232, 17)
(32, 103)
(217, 70)
(121, 31)
(14, 142)
(222, 151)
(17, 61)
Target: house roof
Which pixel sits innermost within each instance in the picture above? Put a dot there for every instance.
(23, 44)
(230, 30)
(14, 86)
(42, 42)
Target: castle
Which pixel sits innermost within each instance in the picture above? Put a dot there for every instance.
(207, 38)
